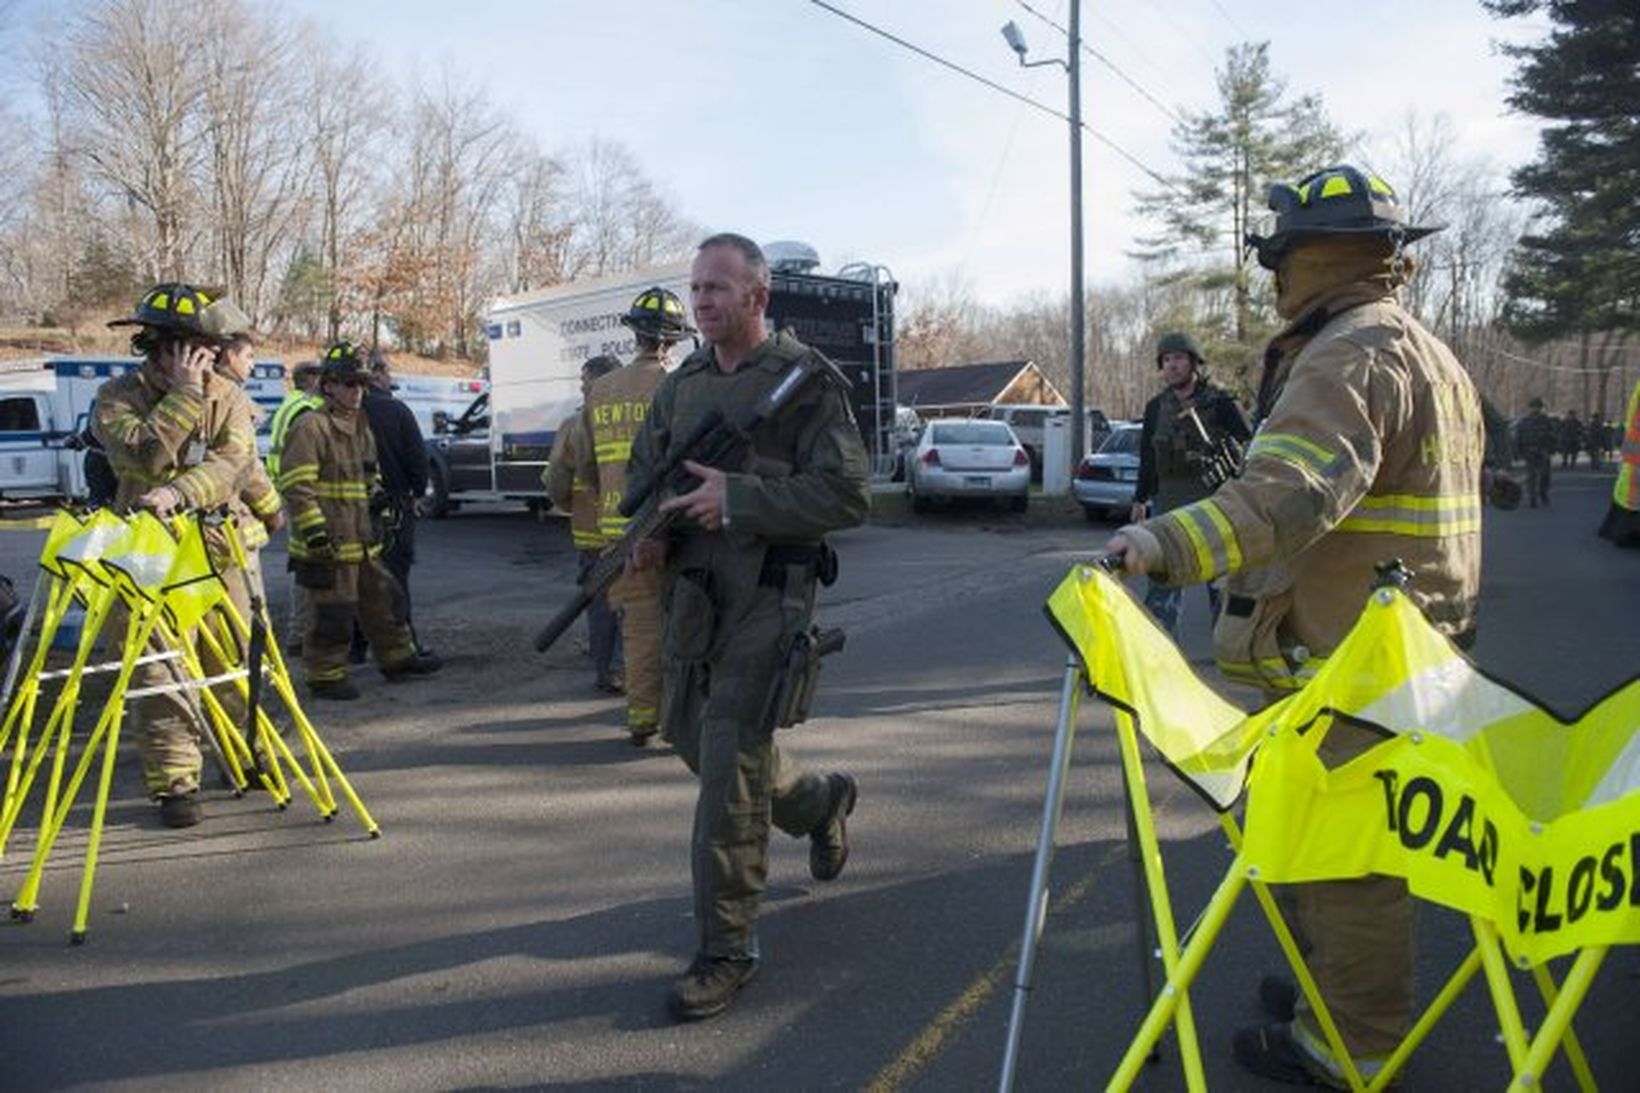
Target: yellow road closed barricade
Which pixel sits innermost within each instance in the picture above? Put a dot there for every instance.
(1482, 799)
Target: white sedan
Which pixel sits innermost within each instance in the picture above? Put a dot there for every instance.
(963, 459)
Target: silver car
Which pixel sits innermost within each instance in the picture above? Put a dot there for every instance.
(1107, 479)
(960, 459)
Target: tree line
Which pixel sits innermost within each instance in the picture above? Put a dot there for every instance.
(220, 142)
(1535, 283)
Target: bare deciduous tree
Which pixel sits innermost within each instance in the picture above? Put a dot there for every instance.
(134, 80)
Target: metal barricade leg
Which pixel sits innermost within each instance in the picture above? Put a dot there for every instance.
(1036, 908)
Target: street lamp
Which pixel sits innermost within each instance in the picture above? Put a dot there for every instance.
(1073, 67)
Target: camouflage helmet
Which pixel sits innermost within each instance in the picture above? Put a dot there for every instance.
(1178, 341)
(174, 307)
(658, 313)
(344, 362)
(1338, 200)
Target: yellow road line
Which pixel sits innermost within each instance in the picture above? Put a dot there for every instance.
(926, 1046)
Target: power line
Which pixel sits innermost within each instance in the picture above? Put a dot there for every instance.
(1108, 63)
(993, 85)
(1231, 19)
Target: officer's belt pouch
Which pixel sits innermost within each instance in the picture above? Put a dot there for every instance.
(312, 575)
(691, 615)
(1245, 640)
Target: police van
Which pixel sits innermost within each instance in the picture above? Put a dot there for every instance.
(45, 407)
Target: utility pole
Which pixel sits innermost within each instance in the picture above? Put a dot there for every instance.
(1078, 326)
(1079, 420)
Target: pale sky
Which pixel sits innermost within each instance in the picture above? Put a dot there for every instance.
(778, 119)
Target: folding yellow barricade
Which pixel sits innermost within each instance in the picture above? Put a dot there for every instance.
(176, 605)
(1483, 801)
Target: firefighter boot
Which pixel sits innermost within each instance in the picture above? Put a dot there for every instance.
(180, 809)
(828, 842)
(416, 664)
(709, 985)
(339, 690)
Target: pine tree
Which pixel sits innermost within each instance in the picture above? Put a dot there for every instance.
(1578, 273)
(1231, 155)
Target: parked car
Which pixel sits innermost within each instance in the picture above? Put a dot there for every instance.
(1029, 423)
(968, 459)
(1105, 481)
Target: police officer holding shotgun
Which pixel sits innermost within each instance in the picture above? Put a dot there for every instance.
(739, 572)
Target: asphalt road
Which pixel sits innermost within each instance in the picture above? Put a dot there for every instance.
(519, 922)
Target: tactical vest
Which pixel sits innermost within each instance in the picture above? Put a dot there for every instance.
(1178, 450)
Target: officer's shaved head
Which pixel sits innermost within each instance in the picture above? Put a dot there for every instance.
(756, 265)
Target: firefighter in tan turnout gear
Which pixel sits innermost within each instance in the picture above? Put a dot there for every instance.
(328, 476)
(571, 479)
(615, 409)
(1370, 449)
(180, 437)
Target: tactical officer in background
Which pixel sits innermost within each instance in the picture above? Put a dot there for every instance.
(571, 479)
(1535, 441)
(1369, 449)
(616, 406)
(1571, 439)
(739, 581)
(401, 456)
(1182, 449)
(328, 476)
(178, 437)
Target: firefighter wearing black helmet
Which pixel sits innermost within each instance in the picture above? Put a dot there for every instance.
(1369, 448)
(329, 477)
(616, 405)
(179, 437)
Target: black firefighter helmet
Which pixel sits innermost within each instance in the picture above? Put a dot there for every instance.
(173, 307)
(1334, 201)
(344, 362)
(658, 313)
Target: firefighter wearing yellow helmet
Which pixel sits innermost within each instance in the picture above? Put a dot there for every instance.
(1369, 448)
(616, 406)
(329, 478)
(179, 437)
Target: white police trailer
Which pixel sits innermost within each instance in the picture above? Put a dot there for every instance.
(538, 341)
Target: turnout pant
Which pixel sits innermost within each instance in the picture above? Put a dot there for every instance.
(1358, 937)
(713, 717)
(638, 598)
(365, 591)
(398, 557)
(168, 726)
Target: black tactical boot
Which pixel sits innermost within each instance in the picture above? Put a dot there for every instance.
(828, 842)
(180, 809)
(641, 736)
(416, 664)
(339, 690)
(709, 985)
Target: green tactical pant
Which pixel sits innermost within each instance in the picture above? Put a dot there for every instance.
(168, 726)
(363, 591)
(712, 711)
